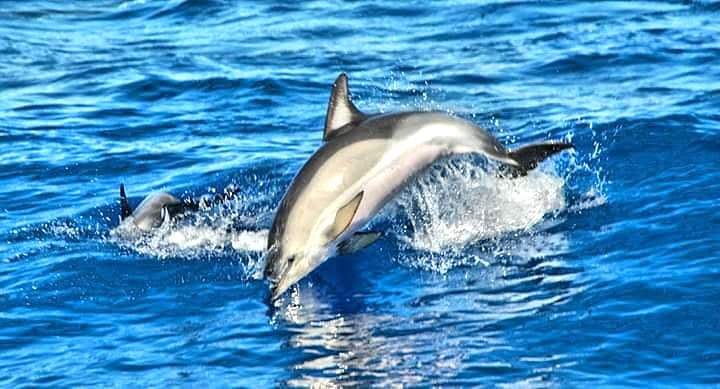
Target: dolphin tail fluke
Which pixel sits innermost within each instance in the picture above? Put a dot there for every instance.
(125, 209)
(529, 157)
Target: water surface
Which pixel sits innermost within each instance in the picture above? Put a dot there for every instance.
(601, 267)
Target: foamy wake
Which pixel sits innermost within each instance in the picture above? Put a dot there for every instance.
(461, 213)
(209, 233)
(457, 203)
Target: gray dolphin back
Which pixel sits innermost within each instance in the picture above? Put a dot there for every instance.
(151, 212)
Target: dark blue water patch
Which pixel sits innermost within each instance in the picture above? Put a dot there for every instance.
(702, 98)
(190, 10)
(463, 79)
(593, 62)
(388, 10)
(45, 10)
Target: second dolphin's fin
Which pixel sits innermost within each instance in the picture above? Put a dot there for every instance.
(358, 242)
(125, 209)
(341, 111)
(529, 157)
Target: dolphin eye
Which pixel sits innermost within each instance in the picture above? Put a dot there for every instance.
(291, 260)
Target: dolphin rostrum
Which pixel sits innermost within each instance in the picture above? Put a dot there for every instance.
(162, 207)
(364, 161)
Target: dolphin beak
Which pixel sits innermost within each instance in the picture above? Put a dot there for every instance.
(295, 271)
(292, 274)
(275, 295)
(279, 289)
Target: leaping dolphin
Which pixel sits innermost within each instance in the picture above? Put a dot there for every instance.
(364, 161)
(162, 207)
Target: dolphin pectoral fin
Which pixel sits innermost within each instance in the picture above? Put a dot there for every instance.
(125, 209)
(529, 157)
(165, 215)
(181, 208)
(358, 242)
(341, 111)
(345, 215)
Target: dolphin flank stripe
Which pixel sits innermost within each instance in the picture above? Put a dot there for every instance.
(362, 164)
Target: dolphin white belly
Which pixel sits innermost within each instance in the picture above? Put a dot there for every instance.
(387, 179)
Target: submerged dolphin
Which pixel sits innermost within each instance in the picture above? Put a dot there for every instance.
(161, 207)
(362, 164)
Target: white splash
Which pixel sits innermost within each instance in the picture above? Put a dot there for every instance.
(458, 203)
(211, 232)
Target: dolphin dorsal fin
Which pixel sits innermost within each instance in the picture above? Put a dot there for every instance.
(125, 209)
(341, 110)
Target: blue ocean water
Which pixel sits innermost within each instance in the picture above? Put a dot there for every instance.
(601, 267)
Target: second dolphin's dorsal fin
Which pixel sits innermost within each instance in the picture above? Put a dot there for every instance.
(341, 110)
(125, 209)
